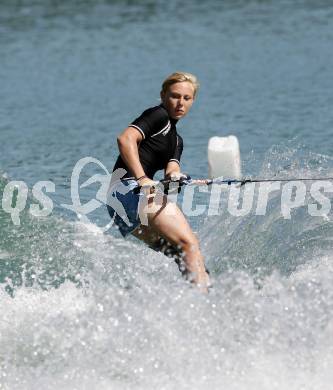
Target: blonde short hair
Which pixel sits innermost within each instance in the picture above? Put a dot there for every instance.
(179, 77)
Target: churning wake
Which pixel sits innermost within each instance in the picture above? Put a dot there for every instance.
(86, 310)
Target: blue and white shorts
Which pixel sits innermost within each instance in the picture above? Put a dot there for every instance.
(123, 204)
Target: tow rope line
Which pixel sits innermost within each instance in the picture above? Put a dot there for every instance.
(249, 180)
(188, 181)
(239, 181)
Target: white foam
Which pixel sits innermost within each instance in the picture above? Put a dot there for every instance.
(157, 332)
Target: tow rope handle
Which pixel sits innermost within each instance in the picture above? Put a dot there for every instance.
(165, 184)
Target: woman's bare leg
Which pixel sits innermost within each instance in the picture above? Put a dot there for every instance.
(160, 244)
(166, 220)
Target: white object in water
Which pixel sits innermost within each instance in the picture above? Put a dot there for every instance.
(224, 157)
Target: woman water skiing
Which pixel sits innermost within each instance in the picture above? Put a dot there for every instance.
(151, 143)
